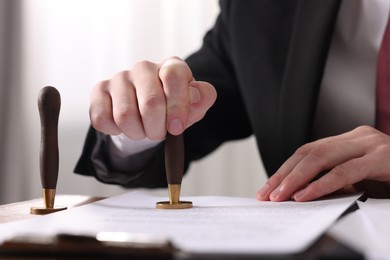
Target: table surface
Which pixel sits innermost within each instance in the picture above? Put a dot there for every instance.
(21, 210)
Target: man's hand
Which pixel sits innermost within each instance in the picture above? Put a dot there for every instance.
(351, 161)
(149, 100)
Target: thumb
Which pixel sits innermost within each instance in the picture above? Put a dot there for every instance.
(202, 96)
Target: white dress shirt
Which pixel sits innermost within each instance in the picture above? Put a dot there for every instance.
(347, 93)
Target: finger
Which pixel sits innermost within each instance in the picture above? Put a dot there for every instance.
(274, 183)
(345, 176)
(323, 157)
(276, 179)
(341, 176)
(202, 97)
(285, 170)
(287, 167)
(100, 110)
(175, 76)
(125, 107)
(151, 99)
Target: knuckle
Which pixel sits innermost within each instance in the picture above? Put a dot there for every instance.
(173, 60)
(153, 112)
(319, 151)
(319, 155)
(341, 174)
(121, 75)
(174, 57)
(175, 72)
(303, 150)
(101, 86)
(276, 179)
(103, 124)
(171, 73)
(98, 120)
(143, 65)
(153, 102)
(365, 130)
(99, 95)
(123, 114)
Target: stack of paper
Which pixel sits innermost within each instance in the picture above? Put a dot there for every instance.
(213, 225)
(367, 230)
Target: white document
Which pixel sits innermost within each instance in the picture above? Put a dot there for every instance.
(367, 230)
(213, 225)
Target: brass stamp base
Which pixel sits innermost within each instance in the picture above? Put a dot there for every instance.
(44, 211)
(48, 200)
(176, 205)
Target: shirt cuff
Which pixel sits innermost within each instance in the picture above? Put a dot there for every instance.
(122, 146)
(113, 167)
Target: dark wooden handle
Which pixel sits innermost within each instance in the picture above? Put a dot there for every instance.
(174, 158)
(49, 104)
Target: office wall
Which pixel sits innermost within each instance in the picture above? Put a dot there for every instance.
(72, 44)
(11, 152)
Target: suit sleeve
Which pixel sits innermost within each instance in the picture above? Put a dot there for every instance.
(226, 120)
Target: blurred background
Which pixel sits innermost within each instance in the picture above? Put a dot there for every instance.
(73, 44)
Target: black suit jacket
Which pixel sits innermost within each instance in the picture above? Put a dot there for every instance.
(266, 60)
